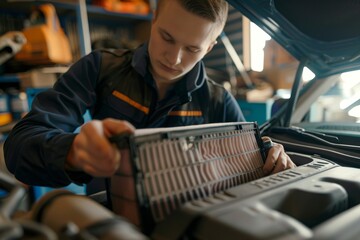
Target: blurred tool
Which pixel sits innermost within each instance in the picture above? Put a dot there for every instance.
(46, 40)
(11, 196)
(73, 216)
(10, 44)
(125, 6)
(60, 214)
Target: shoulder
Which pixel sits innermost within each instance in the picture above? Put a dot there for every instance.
(214, 84)
(224, 104)
(216, 90)
(106, 53)
(114, 52)
(113, 58)
(113, 55)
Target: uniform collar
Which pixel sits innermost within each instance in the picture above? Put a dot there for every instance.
(140, 60)
(190, 82)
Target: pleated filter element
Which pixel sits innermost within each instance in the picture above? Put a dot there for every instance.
(184, 164)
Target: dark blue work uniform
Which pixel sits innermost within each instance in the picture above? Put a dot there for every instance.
(114, 84)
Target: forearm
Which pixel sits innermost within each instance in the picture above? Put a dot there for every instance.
(36, 156)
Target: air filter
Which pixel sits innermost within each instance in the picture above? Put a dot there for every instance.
(164, 168)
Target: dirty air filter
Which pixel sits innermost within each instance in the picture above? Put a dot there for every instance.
(164, 168)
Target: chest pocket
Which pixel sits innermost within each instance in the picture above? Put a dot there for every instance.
(123, 92)
(126, 108)
(185, 117)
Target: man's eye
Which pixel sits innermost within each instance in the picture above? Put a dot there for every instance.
(193, 50)
(167, 38)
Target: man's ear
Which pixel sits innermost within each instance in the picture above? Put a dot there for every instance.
(211, 46)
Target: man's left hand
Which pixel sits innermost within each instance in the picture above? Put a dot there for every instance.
(277, 160)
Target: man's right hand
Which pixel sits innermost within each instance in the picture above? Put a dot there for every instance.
(91, 150)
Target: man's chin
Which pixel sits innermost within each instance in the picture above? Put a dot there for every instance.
(169, 77)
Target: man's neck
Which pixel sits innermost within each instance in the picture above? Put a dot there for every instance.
(163, 88)
(163, 85)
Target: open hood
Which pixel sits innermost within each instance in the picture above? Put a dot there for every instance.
(324, 33)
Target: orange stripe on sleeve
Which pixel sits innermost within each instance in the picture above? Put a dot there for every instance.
(131, 102)
(186, 113)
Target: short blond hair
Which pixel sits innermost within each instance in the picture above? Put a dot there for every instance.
(214, 10)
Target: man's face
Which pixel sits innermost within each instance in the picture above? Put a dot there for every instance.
(179, 39)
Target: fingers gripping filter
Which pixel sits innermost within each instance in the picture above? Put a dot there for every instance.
(267, 143)
(162, 169)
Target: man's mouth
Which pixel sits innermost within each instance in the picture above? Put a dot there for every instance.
(168, 69)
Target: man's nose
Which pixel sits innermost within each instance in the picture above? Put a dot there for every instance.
(174, 56)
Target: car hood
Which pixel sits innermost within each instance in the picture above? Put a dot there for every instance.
(323, 33)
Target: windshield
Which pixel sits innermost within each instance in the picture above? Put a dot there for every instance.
(341, 103)
(332, 106)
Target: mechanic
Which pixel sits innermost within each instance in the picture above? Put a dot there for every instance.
(162, 83)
